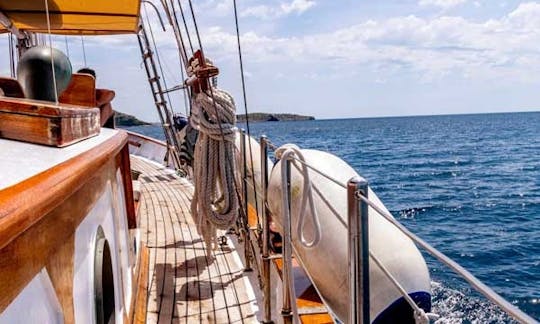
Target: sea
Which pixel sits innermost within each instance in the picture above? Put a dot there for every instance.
(467, 184)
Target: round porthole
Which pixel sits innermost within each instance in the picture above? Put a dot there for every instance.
(103, 281)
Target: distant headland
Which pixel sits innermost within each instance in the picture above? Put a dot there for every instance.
(123, 119)
(262, 117)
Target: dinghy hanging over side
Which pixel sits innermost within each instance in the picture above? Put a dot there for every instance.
(326, 261)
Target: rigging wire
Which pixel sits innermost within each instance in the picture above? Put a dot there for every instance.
(196, 27)
(11, 56)
(158, 56)
(51, 49)
(177, 35)
(83, 50)
(215, 103)
(187, 102)
(244, 92)
(183, 73)
(235, 184)
(67, 46)
(185, 23)
(202, 52)
(177, 24)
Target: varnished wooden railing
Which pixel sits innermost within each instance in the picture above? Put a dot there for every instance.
(27, 202)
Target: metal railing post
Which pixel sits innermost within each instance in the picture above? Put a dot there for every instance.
(286, 309)
(358, 234)
(247, 250)
(267, 298)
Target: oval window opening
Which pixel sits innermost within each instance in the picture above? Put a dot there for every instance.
(103, 281)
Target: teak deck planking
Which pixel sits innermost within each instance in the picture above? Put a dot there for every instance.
(184, 285)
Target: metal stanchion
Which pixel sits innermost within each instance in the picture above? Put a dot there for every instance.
(267, 298)
(288, 283)
(247, 248)
(358, 251)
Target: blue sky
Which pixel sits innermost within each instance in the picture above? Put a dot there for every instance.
(341, 59)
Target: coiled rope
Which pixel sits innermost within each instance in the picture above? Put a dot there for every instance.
(215, 204)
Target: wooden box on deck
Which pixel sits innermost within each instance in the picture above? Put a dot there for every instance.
(46, 123)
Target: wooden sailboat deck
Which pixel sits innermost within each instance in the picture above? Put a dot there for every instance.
(184, 285)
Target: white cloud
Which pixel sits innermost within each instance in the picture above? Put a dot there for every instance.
(441, 3)
(297, 6)
(432, 47)
(429, 47)
(272, 12)
(217, 7)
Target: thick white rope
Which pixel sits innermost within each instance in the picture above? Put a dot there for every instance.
(215, 203)
(306, 197)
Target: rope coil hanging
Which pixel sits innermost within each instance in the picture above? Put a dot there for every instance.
(215, 204)
(288, 151)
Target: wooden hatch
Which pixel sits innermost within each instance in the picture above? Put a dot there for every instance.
(46, 123)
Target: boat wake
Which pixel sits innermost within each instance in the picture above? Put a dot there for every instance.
(464, 306)
(410, 213)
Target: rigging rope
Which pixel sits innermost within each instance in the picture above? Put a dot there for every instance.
(185, 23)
(222, 196)
(11, 55)
(187, 102)
(158, 58)
(50, 48)
(181, 48)
(67, 46)
(245, 99)
(83, 51)
(215, 203)
(195, 25)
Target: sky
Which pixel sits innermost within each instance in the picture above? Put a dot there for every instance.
(340, 59)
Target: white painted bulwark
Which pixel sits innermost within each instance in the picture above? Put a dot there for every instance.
(37, 303)
(110, 214)
(147, 147)
(125, 253)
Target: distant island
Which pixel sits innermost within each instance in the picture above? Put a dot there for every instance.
(126, 120)
(262, 117)
(123, 119)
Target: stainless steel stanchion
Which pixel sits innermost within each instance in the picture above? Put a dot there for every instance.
(358, 251)
(247, 244)
(267, 298)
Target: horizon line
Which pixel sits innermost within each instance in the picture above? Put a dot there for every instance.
(385, 116)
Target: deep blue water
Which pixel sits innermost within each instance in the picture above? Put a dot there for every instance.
(467, 184)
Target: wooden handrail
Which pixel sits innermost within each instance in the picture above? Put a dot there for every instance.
(24, 204)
